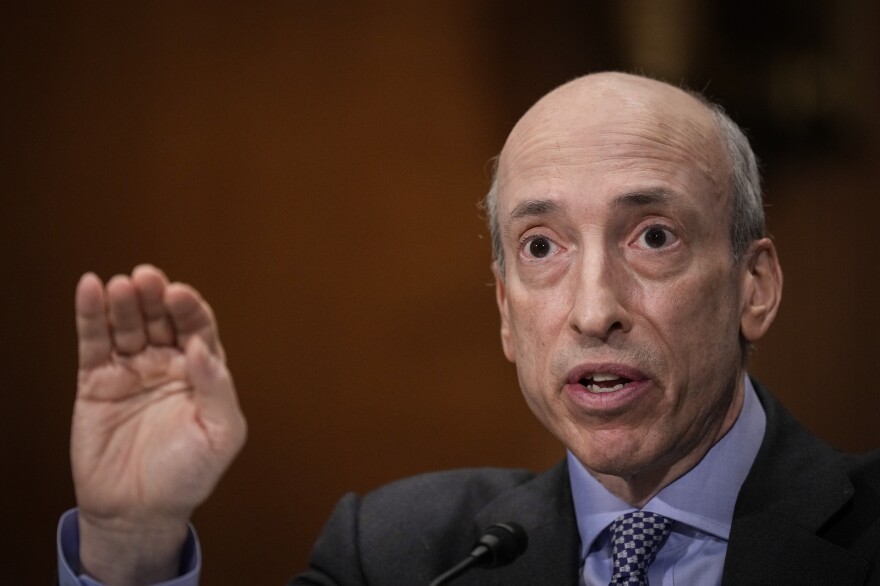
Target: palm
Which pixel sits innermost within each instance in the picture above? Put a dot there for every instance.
(137, 436)
(155, 421)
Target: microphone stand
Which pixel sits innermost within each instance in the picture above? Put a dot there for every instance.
(499, 545)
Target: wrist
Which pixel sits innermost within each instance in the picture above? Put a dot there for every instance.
(130, 553)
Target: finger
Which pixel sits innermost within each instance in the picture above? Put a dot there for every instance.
(191, 316)
(126, 318)
(93, 331)
(150, 283)
(214, 393)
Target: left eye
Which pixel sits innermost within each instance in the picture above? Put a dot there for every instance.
(539, 247)
(656, 237)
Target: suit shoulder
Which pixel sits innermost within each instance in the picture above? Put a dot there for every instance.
(407, 531)
(863, 469)
(446, 492)
(856, 526)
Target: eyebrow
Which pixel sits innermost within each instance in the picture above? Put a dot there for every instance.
(643, 198)
(534, 207)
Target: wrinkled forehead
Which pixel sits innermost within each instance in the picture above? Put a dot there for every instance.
(621, 119)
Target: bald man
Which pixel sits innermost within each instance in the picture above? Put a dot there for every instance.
(632, 276)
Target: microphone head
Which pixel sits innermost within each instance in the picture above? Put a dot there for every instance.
(500, 544)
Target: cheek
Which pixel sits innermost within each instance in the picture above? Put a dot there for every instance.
(695, 316)
(536, 324)
(535, 318)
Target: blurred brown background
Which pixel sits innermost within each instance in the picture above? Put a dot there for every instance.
(313, 168)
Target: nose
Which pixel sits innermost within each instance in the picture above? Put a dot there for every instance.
(599, 306)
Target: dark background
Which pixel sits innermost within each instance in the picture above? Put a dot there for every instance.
(314, 168)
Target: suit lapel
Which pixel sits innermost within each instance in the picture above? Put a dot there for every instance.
(796, 485)
(544, 508)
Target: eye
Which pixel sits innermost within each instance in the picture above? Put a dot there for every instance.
(539, 247)
(656, 237)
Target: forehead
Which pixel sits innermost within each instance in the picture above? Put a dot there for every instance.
(608, 138)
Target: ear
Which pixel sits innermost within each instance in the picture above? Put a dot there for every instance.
(761, 289)
(503, 309)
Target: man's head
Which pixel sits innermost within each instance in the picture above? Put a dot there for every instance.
(630, 263)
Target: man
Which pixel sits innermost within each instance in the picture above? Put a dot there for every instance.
(632, 275)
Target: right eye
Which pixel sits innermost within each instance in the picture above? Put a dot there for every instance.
(538, 247)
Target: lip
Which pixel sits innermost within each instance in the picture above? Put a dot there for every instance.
(640, 384)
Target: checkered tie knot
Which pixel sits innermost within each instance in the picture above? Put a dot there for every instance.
(635, 538)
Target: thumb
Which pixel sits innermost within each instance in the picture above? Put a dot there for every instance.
(215, 397)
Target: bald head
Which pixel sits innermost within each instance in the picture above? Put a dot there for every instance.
(615, 103)
(605, 115)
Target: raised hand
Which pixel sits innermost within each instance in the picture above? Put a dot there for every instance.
(156, 422)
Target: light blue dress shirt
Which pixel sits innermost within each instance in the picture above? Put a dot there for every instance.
(700, 503)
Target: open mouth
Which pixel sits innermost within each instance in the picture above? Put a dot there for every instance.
(603, 382)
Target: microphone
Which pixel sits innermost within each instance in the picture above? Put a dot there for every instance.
(499, 545)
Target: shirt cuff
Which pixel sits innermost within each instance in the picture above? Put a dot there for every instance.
(68, 556)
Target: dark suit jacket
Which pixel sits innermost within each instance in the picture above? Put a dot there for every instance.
(805, 515)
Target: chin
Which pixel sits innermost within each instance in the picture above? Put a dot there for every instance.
(611, 467)
(617, 459)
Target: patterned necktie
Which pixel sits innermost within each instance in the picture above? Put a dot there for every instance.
(636, 537)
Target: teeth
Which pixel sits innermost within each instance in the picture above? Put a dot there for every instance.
(603, 376)
(598, 389)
